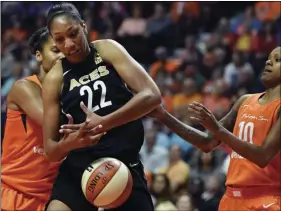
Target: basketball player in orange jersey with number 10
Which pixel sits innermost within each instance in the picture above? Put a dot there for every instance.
(27, 176)
(254, 175)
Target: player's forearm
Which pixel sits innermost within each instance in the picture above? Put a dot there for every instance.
(202, 140)
(54, 151)
(252, 152)
(141, 104)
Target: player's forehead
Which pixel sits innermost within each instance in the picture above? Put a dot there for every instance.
(275, 52)
(49, 43)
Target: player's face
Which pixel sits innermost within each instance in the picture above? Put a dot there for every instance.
(50, 54)
(69, 36)
(271, 75)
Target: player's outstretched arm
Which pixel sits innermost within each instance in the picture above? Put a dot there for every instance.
(203, 140)
(260, 155)
(26, 95)
(147, 95)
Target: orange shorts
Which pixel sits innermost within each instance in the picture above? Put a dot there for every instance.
(13, 200)
(234, 200)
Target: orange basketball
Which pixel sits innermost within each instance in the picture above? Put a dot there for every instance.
(107, 183)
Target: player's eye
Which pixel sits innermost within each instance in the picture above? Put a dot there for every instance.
(73, 34)
(59, 39)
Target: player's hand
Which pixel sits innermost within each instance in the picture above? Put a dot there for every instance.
(93, 122)
(157, 113)
(81, 138)
(200, 114)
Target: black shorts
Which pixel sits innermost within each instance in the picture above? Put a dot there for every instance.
(67, 189)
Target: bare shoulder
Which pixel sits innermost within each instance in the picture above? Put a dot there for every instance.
(25, 86)
(104, 42)
(240, 101)
(109, 49)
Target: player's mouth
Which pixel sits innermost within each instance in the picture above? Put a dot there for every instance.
(74, 53)
(267, 70)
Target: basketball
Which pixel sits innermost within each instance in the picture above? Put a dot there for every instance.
(107, 183)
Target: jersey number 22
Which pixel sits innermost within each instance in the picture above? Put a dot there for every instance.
(96, 86)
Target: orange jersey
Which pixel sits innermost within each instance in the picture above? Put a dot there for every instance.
(253, 123)
(24, 166)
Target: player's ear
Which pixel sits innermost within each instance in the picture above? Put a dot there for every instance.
(84, 26)
(38, 56)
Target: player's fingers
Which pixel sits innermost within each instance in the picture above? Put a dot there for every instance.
(70, 119)
(196, 119)
(202, 106)
(83, 129)
(84, 108)
(96, 130)
(96, 138)
(194, 111)
(72, 126)
(194, 107)
(66, 131)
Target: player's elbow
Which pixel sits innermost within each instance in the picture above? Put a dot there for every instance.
(155, 97)
(151, 98)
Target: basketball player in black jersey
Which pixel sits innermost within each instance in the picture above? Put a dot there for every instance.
(96, 74)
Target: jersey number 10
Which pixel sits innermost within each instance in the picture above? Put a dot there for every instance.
(246, 131)
(96, 86)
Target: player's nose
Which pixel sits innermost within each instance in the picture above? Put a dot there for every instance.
(69, 44)
(268, 62)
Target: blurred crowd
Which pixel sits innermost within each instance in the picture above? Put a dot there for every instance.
(192, 53)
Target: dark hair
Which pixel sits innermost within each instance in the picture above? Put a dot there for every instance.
(38, 39)
(62, 9)
(165, 194)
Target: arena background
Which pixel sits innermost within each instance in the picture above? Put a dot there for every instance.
(210, 52)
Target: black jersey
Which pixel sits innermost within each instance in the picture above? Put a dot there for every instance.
(102, 90)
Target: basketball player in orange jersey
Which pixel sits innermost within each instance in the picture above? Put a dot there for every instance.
(254, 175)
(26, 175)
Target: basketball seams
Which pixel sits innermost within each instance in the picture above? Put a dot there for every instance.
(100, 183)
(125, 194)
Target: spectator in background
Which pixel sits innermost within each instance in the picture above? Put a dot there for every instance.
(244, 40)
(238, 72)
(249, 17)
(158, 22)
(135, 25)
(193, 53)
(161, 70)
(264, 41)
(161, 192)
(17, 73)
(176, 170)
(205, 164)
(184, 203)
(188, 95)
(154, 157)
(195, 189)
(190, 70)
(267, 11)
(214, 98)
(213, 193)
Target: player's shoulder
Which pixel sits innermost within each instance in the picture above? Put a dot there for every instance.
(24, 87)
(243, 98)
(25, 84)
(108, 49)
(104, 42)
